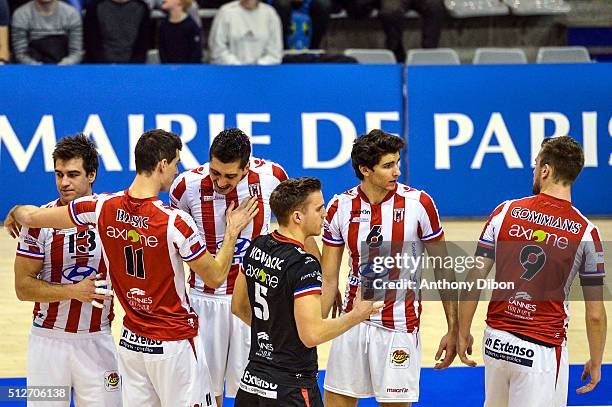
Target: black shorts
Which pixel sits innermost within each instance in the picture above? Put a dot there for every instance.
(262, 386)
(286, 397)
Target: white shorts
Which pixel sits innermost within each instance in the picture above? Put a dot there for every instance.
(522, 373)
(87, 362)
(163, 373)
(371, 361)
(226, 340)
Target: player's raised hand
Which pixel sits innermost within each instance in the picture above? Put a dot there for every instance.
(238, 218)
(465, 348)
(448, 346)
(92, 290)
(10, 223)
(589, 370)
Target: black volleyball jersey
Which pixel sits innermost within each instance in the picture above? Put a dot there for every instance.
(278, 271)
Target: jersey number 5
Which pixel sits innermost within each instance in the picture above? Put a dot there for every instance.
(262, 313)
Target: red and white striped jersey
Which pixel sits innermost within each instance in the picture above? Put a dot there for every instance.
(144, 244)
(407, 217)
(539, 243)
(67, 256)
(193, 193)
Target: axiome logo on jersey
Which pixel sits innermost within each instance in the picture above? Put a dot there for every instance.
(76, 273)
(131, 236)
(260, 275)
(134, 220)
(539, 236)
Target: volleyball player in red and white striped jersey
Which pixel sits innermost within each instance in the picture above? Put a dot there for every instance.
(207, 191)
(539, 245)
(385, 350)
(70, 343)
(232, 175)
(144, 244)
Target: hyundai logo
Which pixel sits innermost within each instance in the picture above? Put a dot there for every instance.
(76, 273)
(242, 244)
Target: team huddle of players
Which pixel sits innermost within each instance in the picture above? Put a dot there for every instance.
(259, 301)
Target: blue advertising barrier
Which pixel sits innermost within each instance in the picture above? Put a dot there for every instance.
(474, 131)
(304, 117)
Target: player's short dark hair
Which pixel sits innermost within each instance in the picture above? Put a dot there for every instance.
(231, 145)
(369, 148)
(565, 155)
(153, 147)
(77, 146)
(291, 195)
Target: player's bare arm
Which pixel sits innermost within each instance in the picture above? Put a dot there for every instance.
(29, 288)
(596, 325)
(314, 330)
(448, 343)
(35, 217)
(330, 266)
(241, 306)
(468, 302)
(311, 246)
(214, 270)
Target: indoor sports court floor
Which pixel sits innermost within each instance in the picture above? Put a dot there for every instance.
(456, 386)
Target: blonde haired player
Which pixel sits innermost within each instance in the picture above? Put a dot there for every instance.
(539, 243)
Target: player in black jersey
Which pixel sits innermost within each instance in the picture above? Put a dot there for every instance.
(278, 295)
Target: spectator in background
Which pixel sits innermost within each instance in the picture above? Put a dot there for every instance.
(319, 11)
(191, 10)
(180, 39)
(117, 31)
(246, 32)
(4, 22)
(47, 32)
(392, 14)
